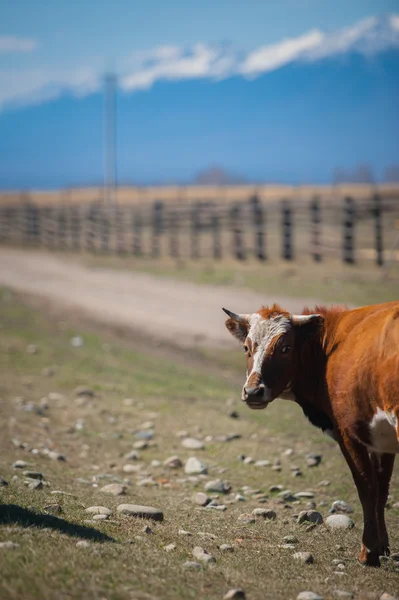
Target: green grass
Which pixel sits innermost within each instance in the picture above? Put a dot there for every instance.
(175, 392)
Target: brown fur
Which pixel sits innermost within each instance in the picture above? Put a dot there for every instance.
(342, 369)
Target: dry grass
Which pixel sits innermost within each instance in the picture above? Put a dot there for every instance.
(122, 562)
(193, 193)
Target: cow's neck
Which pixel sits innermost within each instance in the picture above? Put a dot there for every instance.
(309, 387)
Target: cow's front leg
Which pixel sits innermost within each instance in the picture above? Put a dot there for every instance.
(359, 462)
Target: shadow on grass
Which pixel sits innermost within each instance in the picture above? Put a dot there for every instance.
(12, 513)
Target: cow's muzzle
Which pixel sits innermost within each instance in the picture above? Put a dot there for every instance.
(256, 397)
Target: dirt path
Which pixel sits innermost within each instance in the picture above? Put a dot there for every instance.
(184, 313)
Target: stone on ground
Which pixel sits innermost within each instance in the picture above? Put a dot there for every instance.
(235, 594)
(308, 596)
(173, 462)
(311, 516)
(340, 506)
(266, 513)
(192, 444)
(218, 486)
(339, 522)
(194, 466)
(192, 565)
(142, 512)
(8, 545)
(98, 510)
(304, 557)
(201, 499)
(202, 555)
(114, 489)
(83, 544)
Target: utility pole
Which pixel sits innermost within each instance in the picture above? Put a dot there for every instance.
(110, 139)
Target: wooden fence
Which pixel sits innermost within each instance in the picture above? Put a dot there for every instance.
(348, 229)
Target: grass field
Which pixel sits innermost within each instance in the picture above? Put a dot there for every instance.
(332, 282)
(131, 384)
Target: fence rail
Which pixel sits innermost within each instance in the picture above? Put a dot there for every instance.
(355, 230)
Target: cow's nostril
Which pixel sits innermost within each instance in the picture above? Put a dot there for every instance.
(255, 392)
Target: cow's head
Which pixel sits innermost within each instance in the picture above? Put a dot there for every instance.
(269, 337)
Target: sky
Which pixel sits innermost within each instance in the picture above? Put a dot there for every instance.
(53, 52)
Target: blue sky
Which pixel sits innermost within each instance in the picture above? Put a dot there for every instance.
(53, 56)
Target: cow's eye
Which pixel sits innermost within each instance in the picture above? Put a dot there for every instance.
(246, 349)
(285, 349)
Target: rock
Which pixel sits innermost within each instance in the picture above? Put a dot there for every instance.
(19, 464)
(143, 512)
(201, 499)
(53, 509)
(132, 455)
(340, 506)
(304, 557)
(194, 466)
(3, 482)
(147, 530)
(61, 493)
(170, 547)
(83, 390)
(246, 518)
(226, 548)
(308, 596)
(77, 341)
(114, 489)
(202, 555)
(313, 460)
(98, 510)
(266, 513)
(248, 460)
(286, 495)
(140, 445)
(218, 486)
(235, 594)
(32, 349)
(131, 468)
(234, 415)
(8, 545)
(386, 596)
(191, 565)
(311, 516)
(100, 517)
(262, 463)
(173, 462)
(325, 483)
(339, 522)
(216, 506)
(184, 532)
(33, 475)
(83, 544)
(35, 485)
(290, 539)
(56, 456)
(192, 444)
(297, 473)
(289, 452)
(306, 495)
(147, 482)
(239, 498)
(343, 594)
(276, 488)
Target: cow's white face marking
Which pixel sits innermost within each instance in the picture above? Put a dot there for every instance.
(261, 333)
(384, 432)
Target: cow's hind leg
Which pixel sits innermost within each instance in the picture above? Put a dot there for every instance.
(383, 467)
(359, 462)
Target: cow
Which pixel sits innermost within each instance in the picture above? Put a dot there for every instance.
(341, 367)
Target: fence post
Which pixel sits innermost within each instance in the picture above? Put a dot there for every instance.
(137, 230)
(61, 229)
(259, 218)
(287, 245)
(120, 230)
(75, 228)
(348, 242)
(174, 233)
(157, 228)
(379, 245)
(315, 220)
(105, 229)
(238, 245)
(217, 246)
(195, 230)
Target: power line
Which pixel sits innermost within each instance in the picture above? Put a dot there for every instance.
(110, 82)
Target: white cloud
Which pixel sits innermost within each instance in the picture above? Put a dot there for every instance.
(269, 58)
(172, 63)
(10, 43)
(202, 61)
(39, 85)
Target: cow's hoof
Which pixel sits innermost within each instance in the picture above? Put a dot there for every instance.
(385, 551)
(369, 558)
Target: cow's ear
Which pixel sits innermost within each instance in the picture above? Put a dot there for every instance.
(238, 325)
(308, 325)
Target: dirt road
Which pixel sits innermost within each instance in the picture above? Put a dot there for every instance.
(183, 313)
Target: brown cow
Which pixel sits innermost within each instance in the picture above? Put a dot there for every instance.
(342, 368)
